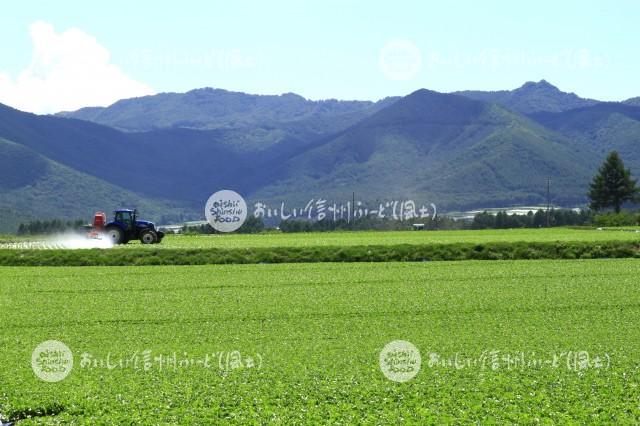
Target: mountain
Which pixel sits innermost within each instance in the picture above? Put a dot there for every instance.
(447, 149)
(181, 165)
(166, 173)
(531, 98)
(32, 187)
(208, 108)
(633, 101)
(596, 130)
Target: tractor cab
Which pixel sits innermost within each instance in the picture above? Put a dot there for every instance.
(125, 217)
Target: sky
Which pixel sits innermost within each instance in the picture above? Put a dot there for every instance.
(64, 55)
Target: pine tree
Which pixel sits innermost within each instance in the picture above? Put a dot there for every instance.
(612, 186)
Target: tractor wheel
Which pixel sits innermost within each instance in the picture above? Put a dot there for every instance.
(115, 235)
(160, 235)
(148, 237)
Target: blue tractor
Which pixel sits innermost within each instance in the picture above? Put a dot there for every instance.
(125, 227)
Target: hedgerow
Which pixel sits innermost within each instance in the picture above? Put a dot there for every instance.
(368, 253)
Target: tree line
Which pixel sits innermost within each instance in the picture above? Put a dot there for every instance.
(539, 219)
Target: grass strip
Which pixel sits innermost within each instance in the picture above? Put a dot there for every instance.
(368, 253)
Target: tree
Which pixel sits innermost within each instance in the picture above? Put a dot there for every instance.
(484, 220)
(539, 219)
(252, 225)
(612, 186)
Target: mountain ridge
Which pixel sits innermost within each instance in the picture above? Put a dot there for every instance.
(447, 148)
(210, 108)
(532, 97)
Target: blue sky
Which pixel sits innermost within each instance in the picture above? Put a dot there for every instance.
(321, 49)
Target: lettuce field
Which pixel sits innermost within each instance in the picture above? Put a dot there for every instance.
(549, 341)
(342, 239)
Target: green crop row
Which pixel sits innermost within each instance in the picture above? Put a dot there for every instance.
(371, 253)
(370, 238)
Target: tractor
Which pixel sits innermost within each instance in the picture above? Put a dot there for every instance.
(125, 227)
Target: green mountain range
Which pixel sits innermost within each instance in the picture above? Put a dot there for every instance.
(447, 149)
(166, 154)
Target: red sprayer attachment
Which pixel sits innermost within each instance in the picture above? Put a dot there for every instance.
(99, 220)
(97, 227)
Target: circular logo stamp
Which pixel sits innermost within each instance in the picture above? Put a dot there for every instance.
(400, 60)
(52, 361)
(226, 211)
(400, 361)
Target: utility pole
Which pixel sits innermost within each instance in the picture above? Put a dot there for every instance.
(548, 199)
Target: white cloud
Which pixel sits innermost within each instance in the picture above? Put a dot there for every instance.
(68, 70)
